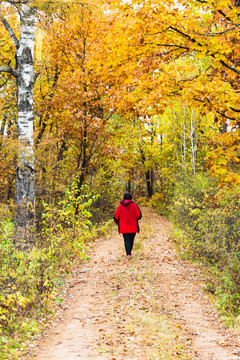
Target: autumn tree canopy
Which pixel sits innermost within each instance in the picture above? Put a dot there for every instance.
(106, 96)
(133, 90)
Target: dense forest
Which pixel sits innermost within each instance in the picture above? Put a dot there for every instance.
(102, 97)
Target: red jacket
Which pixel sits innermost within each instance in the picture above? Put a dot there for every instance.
(127, 216)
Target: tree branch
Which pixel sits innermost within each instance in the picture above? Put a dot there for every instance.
(219, 33)
(219, 11)
(225, 116)
(218, 112)
(5, 82)
(229, 67)
(10, 31)
(223, 14)
(8, 70)
(184, 35)
(236, 110)
(207, 53)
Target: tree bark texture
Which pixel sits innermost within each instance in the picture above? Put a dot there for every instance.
(25, 79)
(25, 174)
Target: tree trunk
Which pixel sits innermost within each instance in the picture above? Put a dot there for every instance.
(149, 179)
(173, 137)
(192, 138)
(183, 138)
(83, 166)
(148, 175)
(25, 176)
(128, 185)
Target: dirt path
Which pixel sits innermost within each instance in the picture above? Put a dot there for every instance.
(151, 307)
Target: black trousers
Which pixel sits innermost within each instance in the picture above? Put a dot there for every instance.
(128, 242)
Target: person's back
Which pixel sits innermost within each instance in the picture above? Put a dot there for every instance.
(127, 216)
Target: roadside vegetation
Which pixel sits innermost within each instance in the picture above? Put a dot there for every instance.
(105, 102)
(207, 229)
(31, 281)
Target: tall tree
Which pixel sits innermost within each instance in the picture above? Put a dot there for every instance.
(25, 78)
(75, 103)
(189, 52)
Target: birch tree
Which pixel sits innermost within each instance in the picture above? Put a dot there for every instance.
(192, 138)
(25, 78)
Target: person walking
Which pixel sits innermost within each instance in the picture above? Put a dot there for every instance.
(126, 217)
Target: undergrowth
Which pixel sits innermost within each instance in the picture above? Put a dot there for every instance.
(30, 281)
(207, 228)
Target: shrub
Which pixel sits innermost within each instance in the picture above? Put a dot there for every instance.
(210, 219)
(30, 280)
(160, 202)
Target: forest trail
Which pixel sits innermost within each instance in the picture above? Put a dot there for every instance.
(151, 307)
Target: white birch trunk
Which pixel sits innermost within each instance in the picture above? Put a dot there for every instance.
(25, 177)
(192, 138)
(173, 139)
(183, 138)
